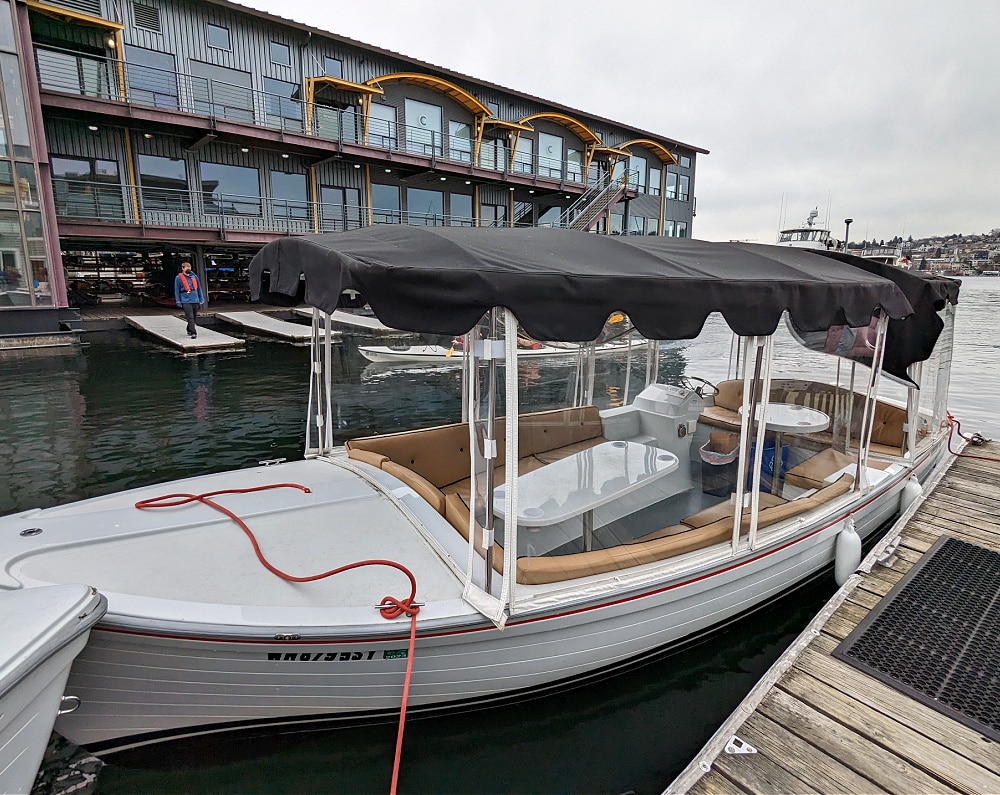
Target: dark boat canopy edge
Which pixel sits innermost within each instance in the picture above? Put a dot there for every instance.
(563, 284)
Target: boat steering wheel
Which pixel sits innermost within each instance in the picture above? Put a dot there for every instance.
(697, 385)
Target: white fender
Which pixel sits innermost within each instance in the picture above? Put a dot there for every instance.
(911, 491)
(848, 554)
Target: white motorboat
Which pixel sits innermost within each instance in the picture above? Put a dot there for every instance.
(812, 234)
(438, 354)
(43, 631)
(628, 538)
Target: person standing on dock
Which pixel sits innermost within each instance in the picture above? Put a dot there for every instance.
(189, 296)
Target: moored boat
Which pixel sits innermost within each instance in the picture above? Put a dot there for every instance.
(812, 234)
(43, 631)
(438, 354)
(626, 540)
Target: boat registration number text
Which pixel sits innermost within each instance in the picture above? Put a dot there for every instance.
(336, 656)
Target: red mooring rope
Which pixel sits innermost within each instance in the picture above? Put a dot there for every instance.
(976, 439)
(390, 607)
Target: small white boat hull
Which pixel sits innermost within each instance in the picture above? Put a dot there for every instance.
(384, 354)
(145, 682)
(44, 630)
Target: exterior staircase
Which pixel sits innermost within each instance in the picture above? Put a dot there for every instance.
(596, 202)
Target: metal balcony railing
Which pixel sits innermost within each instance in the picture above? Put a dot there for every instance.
(88, 200)
(106, 78)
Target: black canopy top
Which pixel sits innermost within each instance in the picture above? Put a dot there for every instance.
(563, 284)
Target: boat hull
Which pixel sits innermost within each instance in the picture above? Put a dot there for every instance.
(140, 687)
(32, 692)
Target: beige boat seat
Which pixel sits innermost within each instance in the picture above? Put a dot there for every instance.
(813, 472)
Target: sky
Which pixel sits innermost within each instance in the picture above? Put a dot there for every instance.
(883, 111)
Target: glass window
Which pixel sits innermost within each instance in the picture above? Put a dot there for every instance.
(682, 187)
(27, 185)
(639, 167)
(288, 192)
(492, 215)
(340, 208)
(681, 229)
(382, 126)
(494, 109)
(152, 79)
(230, 190)
(524, 155)
(460, 209)
(333, 67)
(615, 223)
(550, 216)
(668, 228)
(460, 141)
(636, 225)
(16, 114)
(278, 101)
(6, 28)
(7, 196)
(423, 127)
(424, 207)
(655, 175)
(385, 204)
(550, 154)
(684, 161)
(671, 187)
(220, 91)
(164, 184)
(217, 36)
(12, 259)
(619, 170)
(493, 154)
(280, 54)
(574, 165)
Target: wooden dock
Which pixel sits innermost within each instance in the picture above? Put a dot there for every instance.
(365, 323)
(172, 330)
(266, 325)
(817, 724)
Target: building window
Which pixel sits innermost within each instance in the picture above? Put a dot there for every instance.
(638, 175)
(524, 156)
(615, 223)
(636, 225)
(217, 36)
(288, 195)
(340, 208)
(152, 79)
(278, 100)
(684, 161)
(385, 204)
(550, 155)
(333, 67)
(17, 116)
(230, 190)
(424, 207)
(683, 181)
(668, 228)
(574, 165)
(681, 229)
(492, 215)
(494, 109)
(8, 199)
(460, 209)
(164, 184)
(654, 182)
(27, 185)
(493, 154)
(221, 91)
(423, 128)
(460, 141)
(280, 54)
(382, 126)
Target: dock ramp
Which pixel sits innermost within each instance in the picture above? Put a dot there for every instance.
(259, 323)
(362, 322)
(172, 331)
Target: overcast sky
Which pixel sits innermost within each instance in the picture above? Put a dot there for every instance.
(887, 112)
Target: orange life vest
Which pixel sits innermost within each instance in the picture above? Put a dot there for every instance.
(188, 284)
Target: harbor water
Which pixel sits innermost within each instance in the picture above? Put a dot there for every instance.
(122, 412)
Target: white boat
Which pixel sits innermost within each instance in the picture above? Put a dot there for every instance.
(438, 354)
(812, 234)
(626, 542)
(43, 631)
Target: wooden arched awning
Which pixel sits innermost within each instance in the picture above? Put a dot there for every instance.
(314, 84)
(658, 149)
(591, 140)
(457, 93)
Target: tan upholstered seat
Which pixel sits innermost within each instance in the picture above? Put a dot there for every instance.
(726, 508)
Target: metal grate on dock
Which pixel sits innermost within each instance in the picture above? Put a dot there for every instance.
(936, 635)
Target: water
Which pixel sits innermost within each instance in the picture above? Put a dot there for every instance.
(122, 413)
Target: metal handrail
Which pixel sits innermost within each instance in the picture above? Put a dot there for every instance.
(597, 195)
(100, 77)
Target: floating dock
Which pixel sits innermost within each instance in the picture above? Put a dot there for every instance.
(172, 330)
(259, 323)
(895, 686)
(363, 322)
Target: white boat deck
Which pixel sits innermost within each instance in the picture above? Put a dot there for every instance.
(193, 564)
(173, 331)
(260, 323)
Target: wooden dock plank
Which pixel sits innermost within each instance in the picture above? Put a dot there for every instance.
(821, 721)
(259, 323)
(886, 769)
(933, 757)
(816, 768)
(172, 331)
(714, 783)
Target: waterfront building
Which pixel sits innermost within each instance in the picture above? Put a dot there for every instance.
(143, 132)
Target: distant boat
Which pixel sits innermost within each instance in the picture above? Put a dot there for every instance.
(809, 235)
(409, 354)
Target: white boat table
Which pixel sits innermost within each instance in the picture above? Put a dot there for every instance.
(788, 417)
(576, 485)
